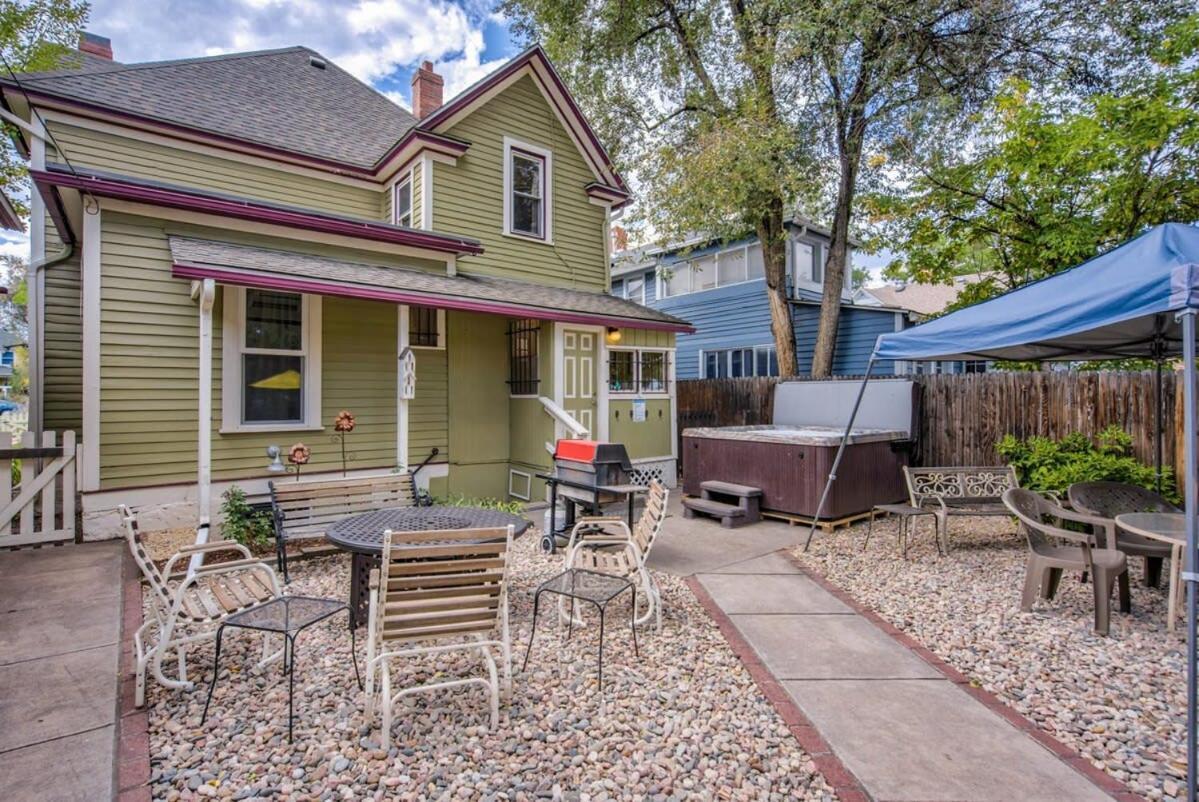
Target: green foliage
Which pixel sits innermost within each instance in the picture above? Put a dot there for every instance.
(34, 35)
(461, 500)
(1053, 465)
(242, 523)
(1053, 179)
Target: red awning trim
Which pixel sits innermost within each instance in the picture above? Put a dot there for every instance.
(256, 212)
(314, 287)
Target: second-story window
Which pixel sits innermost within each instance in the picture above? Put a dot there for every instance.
(403, 202)
(527, 202)
(634, 289)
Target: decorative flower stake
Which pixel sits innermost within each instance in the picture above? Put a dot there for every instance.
(298, 455)
(343, 425)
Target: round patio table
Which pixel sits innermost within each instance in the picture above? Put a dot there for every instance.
(1167, 527)
(362, 536)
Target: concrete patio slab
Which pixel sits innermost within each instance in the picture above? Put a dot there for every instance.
(829, 647)
(771, 593)
(60, 625)
(59, 628)
(694, 546)
(772, 563)
(77, 768)
(930, 741)
(56, 696)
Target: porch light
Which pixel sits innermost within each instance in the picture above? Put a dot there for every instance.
(612, 336)
(276, 465)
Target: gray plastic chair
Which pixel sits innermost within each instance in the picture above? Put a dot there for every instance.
(1109, 499)
(1048, 556)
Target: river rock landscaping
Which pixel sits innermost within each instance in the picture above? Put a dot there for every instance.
(1119, 701)
(683, 721)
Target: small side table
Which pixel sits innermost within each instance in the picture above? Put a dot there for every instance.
(287, 616)
(905, 512)
(589, 586)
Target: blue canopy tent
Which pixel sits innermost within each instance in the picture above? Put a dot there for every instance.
(1137, 300)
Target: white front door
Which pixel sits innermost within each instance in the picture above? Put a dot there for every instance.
(580, 355)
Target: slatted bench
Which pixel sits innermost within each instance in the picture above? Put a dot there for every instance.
(715, 503)
(304, 510)
(947, 492)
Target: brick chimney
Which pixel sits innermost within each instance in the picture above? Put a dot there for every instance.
(96, 45)
(426, 90)
(620, 239)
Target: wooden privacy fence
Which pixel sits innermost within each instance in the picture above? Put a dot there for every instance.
(41, 508)
(962, 416)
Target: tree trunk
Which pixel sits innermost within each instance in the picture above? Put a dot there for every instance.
(771, 234)
(850, 151)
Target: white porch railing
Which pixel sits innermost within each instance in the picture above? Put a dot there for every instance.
(575, 429)
(43, 509)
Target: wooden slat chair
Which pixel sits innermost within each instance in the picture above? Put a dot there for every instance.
(304, 510)
(190, 609)
(608, 545)
(434, 593)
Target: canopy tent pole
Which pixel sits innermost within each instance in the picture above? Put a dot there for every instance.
(832, 474)
(1191, 483)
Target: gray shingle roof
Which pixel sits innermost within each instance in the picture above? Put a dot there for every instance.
(271, 97)
(531, 299)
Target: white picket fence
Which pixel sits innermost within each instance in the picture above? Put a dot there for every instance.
(43, 508)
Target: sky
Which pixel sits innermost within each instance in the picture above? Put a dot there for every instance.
(382, 42)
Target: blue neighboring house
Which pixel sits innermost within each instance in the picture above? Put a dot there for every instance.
(719, 287)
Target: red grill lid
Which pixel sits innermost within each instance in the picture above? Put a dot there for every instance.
(577, 450)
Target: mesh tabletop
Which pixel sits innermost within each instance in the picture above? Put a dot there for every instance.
(364, 532)
(285, 614)
(591, 586)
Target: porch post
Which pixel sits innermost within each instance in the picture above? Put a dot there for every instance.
(207, 297)
(1190, 578)
(402, 314)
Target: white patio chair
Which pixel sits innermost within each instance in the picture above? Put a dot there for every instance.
(622, 552)
(190, 610)
(436, 593)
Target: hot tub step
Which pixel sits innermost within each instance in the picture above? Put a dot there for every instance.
(730, 489)
(730, 515)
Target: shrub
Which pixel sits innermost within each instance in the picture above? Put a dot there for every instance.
(460, 500)
(244, 524)
(1047, 465)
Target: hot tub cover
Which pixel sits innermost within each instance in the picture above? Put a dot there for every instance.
(796, 435)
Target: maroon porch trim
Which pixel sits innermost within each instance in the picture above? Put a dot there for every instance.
(313, 287)
(256, 212)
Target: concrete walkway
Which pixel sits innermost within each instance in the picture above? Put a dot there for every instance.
(60, 625)
(903, 728)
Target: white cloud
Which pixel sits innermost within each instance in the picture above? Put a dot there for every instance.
(15, 243)
(369, 38)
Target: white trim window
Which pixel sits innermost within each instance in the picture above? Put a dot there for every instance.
(807, 266)
(528, 182)
(426, 327)
(634, 288)
(402, 202)
(638, 371)
(735, 363)
(723, 268)
(271, 361)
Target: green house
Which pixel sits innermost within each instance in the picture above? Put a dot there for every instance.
(231, 250)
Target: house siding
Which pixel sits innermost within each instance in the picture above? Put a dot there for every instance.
(63, 369)
(149, 384)
(107, 151)
(468, 197)
(738, 316)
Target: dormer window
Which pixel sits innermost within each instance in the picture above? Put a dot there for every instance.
(527, 201)
(403, 202)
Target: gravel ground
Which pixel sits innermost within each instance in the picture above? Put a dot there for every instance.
(1120, 700)
(684, 722)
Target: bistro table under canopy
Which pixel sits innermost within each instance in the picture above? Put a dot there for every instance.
(362, 536)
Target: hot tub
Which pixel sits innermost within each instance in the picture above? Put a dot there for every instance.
(791, 459)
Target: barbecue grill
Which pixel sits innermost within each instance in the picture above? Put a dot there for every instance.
(590, 474)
